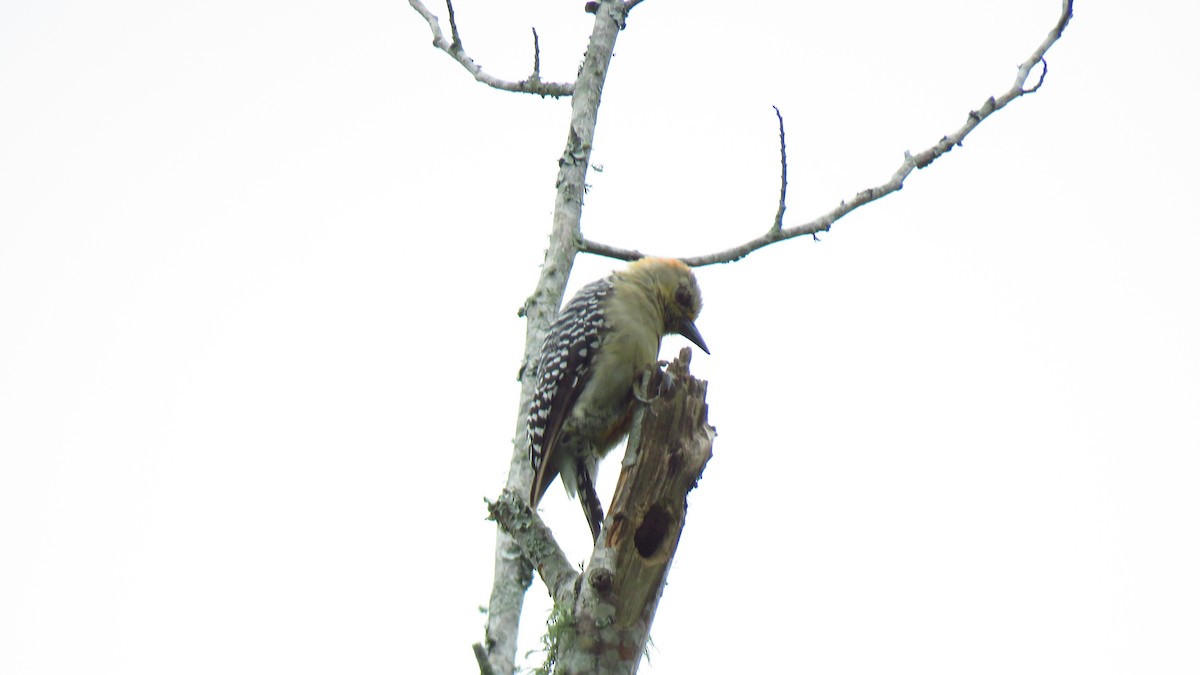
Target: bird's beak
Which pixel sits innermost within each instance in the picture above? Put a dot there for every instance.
(689, 331)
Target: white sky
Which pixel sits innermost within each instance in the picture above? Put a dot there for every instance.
(259, 270)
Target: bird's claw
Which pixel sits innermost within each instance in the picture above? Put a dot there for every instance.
(654, 381)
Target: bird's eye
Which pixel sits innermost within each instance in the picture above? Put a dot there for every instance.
(683, 296)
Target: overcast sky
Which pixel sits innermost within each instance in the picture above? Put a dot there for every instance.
(260, 264)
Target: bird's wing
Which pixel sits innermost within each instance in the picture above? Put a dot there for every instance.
(563, 369)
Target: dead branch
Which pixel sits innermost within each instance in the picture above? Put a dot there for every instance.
(531, 85)
(512, 513)
(894, 184)
(669, 446)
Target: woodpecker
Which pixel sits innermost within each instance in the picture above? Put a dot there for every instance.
(583, 403)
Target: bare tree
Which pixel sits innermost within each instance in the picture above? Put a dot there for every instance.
(613, 601)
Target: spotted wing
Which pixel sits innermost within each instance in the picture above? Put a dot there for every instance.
(563, 369)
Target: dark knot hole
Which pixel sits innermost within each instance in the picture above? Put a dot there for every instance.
(650, 534)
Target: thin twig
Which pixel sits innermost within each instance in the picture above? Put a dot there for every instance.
(782, 175)
(910, 163)
(455, 41)
(455, 50)
(537, 59)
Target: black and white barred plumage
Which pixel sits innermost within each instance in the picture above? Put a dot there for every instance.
(563, 368)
